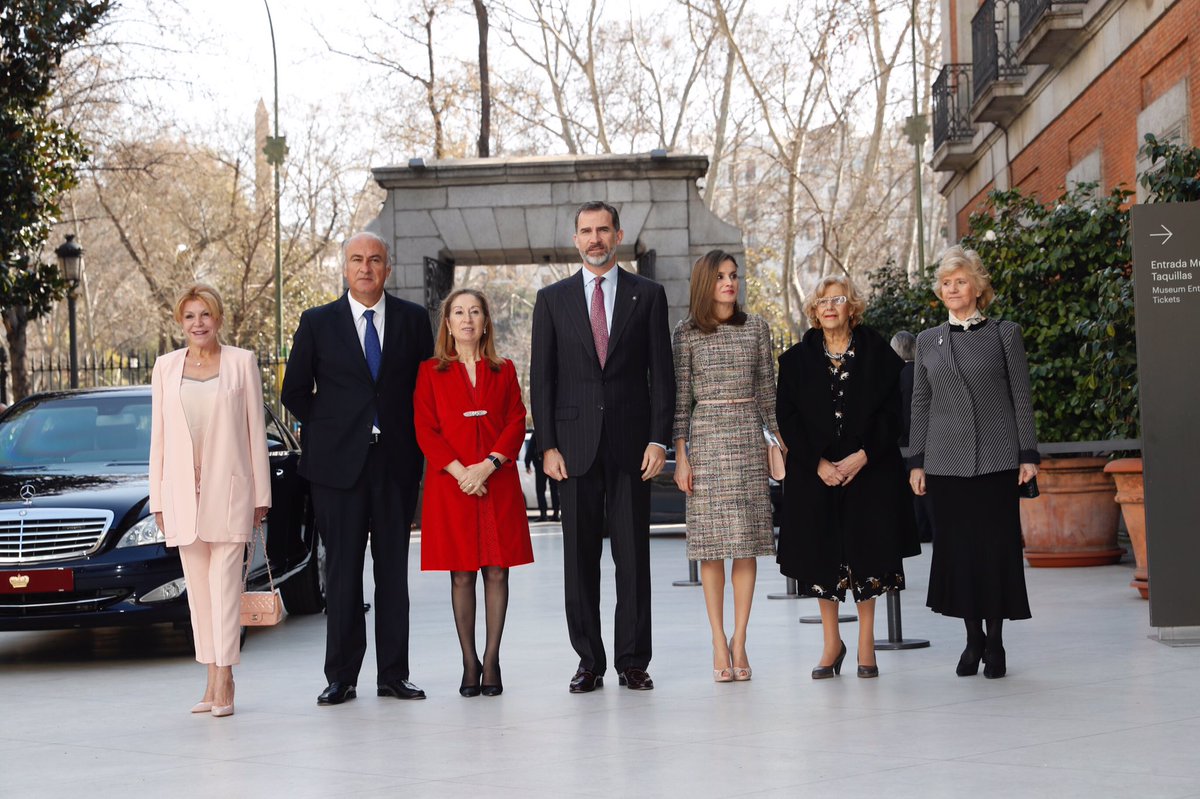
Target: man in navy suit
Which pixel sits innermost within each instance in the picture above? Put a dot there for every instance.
(350, 380)
(602, 387)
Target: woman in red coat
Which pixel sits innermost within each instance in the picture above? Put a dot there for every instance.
(470, 424)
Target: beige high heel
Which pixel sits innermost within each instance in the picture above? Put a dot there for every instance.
(725, 674)
(740, 674)
(220, 711)
(202, 707)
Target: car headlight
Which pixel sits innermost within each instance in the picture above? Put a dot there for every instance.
(144, 532)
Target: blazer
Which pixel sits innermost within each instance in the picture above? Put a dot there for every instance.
(632, 399)
(971, 407)
(328, 387)
(235, 475)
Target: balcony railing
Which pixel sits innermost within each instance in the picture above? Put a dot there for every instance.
(1032, 11)
(994, 38)
(952, 105)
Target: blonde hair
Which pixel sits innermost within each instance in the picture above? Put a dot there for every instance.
(443, 345)
(857, 304)
(206, 294)
(956, 258)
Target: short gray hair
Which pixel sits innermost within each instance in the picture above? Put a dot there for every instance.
(387, 250)
(905, 345)
(959, 257)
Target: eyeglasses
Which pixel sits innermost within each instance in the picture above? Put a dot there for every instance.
(829, 302)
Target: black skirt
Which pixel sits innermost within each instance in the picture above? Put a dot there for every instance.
(977, 570)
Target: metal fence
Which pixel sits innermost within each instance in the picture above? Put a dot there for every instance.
(52, 373)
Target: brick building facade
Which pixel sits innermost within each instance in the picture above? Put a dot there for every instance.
(1042, 94)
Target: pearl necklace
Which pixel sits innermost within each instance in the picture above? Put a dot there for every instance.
(844, 353)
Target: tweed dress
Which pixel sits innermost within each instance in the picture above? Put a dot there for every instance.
(729, 511)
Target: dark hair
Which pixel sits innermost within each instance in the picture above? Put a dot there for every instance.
(701, 306)
(599, 205)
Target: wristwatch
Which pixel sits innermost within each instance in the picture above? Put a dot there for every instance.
(495, 461)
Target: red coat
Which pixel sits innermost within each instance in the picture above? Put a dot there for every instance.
(461, 532)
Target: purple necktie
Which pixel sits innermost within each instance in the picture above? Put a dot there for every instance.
(599, 323)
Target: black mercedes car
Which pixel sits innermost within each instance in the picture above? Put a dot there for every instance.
(78, 546)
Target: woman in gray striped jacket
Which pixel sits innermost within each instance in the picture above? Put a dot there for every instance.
(972, 445)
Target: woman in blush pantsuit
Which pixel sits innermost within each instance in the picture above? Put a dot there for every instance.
(209, 478)
(725, 395)
(972, 443)
(470, 424)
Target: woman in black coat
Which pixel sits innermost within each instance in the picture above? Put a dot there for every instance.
(846, 515)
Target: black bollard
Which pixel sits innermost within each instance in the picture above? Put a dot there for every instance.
(896, 639)
(693, 575)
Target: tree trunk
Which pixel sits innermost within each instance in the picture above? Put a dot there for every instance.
(16, 323)
(485, 83)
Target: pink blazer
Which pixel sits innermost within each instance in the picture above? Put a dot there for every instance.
(235, 474)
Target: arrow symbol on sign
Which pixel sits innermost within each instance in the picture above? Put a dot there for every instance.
(1166, 236)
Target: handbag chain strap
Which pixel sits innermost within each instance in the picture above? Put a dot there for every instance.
(261, 535)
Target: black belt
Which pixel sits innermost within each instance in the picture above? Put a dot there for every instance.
(375, 438)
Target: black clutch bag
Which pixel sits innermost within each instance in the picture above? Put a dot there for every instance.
(1028, 490)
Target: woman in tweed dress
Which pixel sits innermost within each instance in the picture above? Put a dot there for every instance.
(972, 443)
(847, 513)
(725, 396)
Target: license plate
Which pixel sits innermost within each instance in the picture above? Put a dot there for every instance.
(37, 581)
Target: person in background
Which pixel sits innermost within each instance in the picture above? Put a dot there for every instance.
(846, 512)
(210, 482)
(533, 465)
(972, 445)
(725, 396)
(470, 424)
(905, 345)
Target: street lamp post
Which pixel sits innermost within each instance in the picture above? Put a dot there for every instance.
(70, 263)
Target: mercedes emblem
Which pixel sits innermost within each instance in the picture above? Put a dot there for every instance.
(27, 492)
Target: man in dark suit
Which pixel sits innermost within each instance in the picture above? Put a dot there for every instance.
(349, 381)
(602, 386)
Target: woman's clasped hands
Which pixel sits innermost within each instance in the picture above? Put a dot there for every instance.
(841, 472)
(472, 480)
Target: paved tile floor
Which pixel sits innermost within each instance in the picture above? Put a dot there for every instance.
(1091, 707)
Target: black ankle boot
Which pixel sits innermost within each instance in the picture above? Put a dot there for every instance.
(995, 664)
(968, 662)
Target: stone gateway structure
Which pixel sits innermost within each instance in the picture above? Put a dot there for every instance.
(522, 210)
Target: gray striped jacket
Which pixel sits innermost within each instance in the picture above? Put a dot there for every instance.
(971, 409)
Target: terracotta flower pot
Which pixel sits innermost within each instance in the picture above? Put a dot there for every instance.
(1074, 521)
(1127, 472)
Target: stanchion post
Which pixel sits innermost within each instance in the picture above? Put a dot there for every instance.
(793, 591)
(896, 639)
(693, 575)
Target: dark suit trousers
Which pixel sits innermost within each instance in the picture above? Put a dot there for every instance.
(540, 480)
(606, 497)
(375, 503)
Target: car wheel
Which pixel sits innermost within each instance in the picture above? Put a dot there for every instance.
(304, 593)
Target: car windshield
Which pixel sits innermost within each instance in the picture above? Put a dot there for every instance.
(77, 429)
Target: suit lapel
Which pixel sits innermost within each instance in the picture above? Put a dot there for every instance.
(344, 327)
(391, 329)
(623, 308)
(577, 309)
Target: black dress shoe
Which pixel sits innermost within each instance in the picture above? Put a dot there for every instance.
(584, 682)
(542, 517)
(825, 672)
(636, 680)
(469, 687)
(400, 689)
(995, 665)
(336, 693)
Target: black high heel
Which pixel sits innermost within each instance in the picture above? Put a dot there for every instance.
(496, 688)
(825, 672)
(469, 689)
(995, 663)
(968, 662)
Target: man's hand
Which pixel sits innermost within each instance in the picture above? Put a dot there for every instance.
(916, 480)
(653, 461)
(554, 465)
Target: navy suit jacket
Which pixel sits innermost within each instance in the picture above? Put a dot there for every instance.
(328, 387)
(631, 400)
